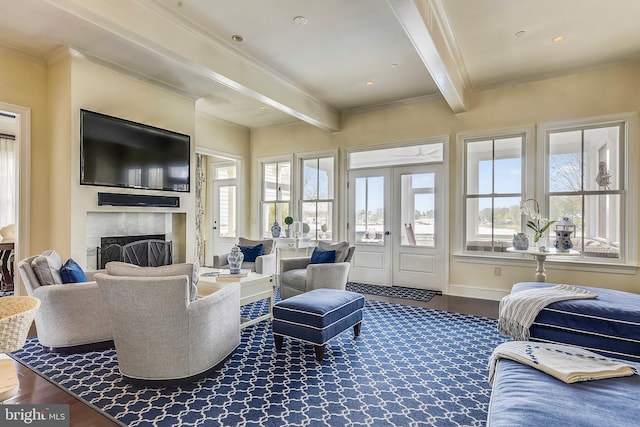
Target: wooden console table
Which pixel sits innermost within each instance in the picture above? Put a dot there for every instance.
(6, 249)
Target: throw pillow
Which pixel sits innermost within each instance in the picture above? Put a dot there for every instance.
(116, 268)
(341, 248)
(71, 272)
(47, 266)
(251, 252)
(268, 244)
(320, 256)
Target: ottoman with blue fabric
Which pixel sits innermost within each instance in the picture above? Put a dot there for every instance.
(317, 316)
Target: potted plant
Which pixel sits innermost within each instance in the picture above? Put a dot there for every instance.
(288, 220)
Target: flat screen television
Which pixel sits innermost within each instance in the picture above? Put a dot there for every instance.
(120, 153)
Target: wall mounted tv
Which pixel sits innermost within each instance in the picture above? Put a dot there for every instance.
(119, 153)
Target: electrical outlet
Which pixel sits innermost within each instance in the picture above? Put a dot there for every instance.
(497, 271)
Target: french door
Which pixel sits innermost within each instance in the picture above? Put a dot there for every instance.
(397, 220)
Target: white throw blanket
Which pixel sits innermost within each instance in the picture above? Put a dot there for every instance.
(519, 309)
(566, 363)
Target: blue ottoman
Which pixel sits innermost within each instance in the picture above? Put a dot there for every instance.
(317, 316)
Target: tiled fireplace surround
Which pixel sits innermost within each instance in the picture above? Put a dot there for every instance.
(108, 224)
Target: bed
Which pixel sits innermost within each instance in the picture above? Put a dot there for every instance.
(608, 325)
(525, 396)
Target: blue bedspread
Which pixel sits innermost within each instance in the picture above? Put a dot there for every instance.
(608, 325)
(523, 396)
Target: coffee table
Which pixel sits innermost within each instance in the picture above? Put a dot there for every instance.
(253, 287)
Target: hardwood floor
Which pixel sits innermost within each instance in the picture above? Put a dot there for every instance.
(36, 390)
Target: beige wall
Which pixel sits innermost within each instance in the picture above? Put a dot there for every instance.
(23, 82)
(598, 92)
(55, 95)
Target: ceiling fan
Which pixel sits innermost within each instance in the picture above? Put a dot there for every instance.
(423, 154)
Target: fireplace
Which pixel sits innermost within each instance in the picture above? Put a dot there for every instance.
(124, 228)
(142, 250)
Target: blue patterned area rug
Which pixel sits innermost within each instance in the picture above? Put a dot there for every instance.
(410, 366)
(392, 291)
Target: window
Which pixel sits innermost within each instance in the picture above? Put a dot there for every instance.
(585, 182)
(276, 193)
(580, 171)
(317, 196)
(493, 190)
(417, 202)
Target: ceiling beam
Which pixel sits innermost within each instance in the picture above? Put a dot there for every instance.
(145, 25)
(424, 23)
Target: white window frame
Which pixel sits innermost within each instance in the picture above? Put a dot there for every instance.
(528, 159)
(629, 248)
(261, 162)
(299, 171)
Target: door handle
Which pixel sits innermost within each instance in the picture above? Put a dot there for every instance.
(386, 233)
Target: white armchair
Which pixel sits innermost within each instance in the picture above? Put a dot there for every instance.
(160, 334)
(264, 264)
(298, 275)
(72, 317)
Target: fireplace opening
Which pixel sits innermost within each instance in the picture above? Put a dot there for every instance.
(150, 250)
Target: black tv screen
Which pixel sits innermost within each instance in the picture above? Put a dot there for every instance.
(119, 153)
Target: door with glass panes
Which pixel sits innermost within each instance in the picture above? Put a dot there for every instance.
(397, 222)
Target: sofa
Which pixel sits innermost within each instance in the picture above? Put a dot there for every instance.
(608, 326)
(524, 396)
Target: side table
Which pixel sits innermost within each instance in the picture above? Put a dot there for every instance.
(541, 257)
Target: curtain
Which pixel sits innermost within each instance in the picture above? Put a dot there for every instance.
(7, 181)
(200, 179)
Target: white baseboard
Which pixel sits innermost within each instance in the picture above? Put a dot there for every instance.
(476, 292)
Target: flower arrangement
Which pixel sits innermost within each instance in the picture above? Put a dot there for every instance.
(537, 222)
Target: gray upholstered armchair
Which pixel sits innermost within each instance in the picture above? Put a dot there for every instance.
(72, 317)
(161, 333)
(264, 264)
(298, 275)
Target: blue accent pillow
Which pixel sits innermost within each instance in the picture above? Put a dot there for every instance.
(251, 252)
(71, 272)
(320, 256)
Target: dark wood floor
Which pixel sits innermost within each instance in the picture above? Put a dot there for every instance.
(36, 390)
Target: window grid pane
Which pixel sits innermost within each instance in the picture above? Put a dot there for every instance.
(493, 192)
(276, 193)
(584, 186)
(317, 177)
(369, 210)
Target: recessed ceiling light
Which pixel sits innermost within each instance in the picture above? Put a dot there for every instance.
(263, 108)
(557, 39)
(520, 33)
(237, 38)
(369, 83)
(300, 20)
(394, 65)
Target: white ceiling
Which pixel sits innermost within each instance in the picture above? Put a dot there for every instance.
(284, 72)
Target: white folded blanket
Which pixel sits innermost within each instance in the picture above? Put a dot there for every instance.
(566, 363)
(518, 310)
